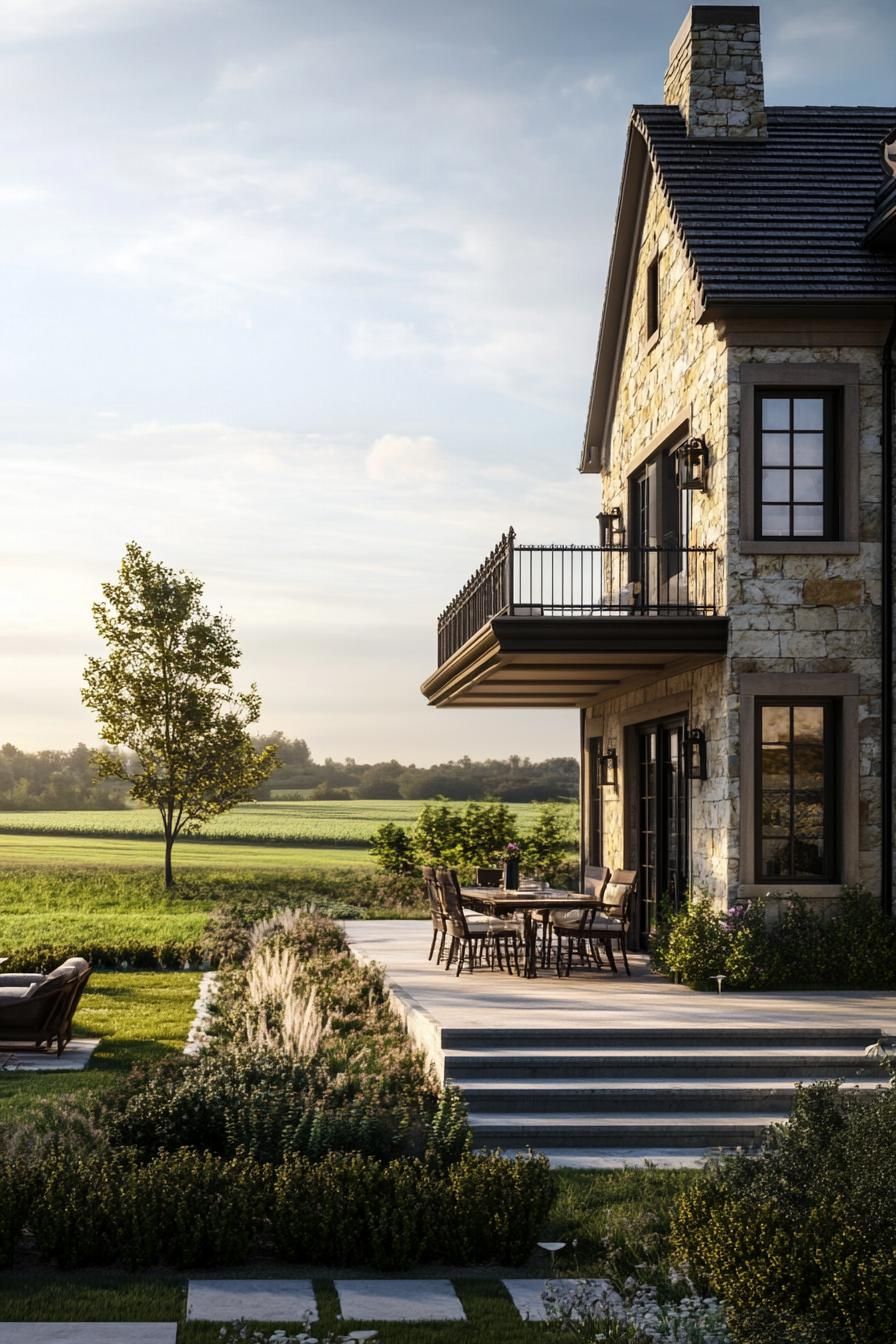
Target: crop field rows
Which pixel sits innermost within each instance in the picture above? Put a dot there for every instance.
(319, 824)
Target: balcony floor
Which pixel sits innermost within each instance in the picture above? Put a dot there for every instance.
(571, 661)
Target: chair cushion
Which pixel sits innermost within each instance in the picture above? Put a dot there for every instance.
(20, 978)
(614, 895)
(16, 994)
(607, 924)
(568, 919)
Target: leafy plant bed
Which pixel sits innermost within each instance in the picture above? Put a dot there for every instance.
(853, 947)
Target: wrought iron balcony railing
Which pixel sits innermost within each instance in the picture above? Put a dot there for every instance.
(555, 581)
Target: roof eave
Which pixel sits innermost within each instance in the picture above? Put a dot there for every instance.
(617, 300)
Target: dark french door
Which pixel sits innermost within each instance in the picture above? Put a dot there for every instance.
(662, 819)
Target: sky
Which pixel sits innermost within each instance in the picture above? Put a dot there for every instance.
(303, 297)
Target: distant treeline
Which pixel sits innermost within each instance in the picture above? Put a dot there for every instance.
(516, 780)
(30, 781)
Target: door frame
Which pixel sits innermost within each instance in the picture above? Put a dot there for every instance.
(666, 718)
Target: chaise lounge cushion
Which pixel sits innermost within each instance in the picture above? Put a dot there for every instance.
(16, 993)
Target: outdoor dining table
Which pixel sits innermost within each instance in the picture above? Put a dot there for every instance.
(497, 902)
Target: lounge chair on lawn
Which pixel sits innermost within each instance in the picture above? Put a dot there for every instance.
(38, 1009)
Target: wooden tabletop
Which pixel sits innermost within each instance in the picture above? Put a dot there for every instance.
(497, 899)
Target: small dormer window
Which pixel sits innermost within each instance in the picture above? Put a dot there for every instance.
(653, 298)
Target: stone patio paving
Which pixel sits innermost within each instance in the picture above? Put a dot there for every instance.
(75, 1057)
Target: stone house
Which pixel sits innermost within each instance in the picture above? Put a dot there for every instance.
(728, 639)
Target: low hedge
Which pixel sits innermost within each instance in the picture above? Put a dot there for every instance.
(191, 1209)
(134, 954)
(801, 1240)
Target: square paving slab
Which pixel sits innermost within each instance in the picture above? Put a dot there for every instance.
(398, 1300)
(87, 1332)
(526, 1294)
(75, 1056)
(251, 1299)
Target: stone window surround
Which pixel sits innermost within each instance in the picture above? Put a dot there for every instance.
(842, 686)
(845, 379)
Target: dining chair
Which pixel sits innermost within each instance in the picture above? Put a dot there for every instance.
(436, 911)
(572, 930)
(613, 917)
(489, 877)
(595, 880)
(474, 938)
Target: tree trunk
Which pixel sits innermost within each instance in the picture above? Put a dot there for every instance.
(169, 875)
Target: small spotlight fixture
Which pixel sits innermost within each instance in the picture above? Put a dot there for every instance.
(692, 465)
(695, 753)
(609, 768)
(611, 528)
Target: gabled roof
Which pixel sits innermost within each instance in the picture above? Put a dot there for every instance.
(774, 223)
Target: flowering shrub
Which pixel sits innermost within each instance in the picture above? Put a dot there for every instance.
(238, 1332)
(594, 1310)
(852, 948)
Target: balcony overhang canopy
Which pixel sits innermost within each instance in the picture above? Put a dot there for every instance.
(566, 662)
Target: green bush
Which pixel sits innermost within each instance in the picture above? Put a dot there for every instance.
(853, 947)
(392, 849)
(801, 1240)
(349, 1210)
(188, 1209)
(691, 943)
(546, 847)
(16, 1194)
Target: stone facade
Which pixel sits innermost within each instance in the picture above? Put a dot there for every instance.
(794, 614)
(715, 73)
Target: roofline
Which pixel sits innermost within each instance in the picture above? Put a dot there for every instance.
(630, 209)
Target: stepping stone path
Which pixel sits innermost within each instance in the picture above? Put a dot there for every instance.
(251, 1299)
(398, 1300)
(87, 1332)
(526, 1293)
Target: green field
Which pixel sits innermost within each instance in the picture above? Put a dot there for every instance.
(86, 851)
(318, 824)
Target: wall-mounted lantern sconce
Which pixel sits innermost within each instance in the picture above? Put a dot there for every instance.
(611, 528)
(609, 768)
(692, 465)
(695, 754)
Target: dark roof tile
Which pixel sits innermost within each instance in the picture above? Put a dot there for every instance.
(783, 218)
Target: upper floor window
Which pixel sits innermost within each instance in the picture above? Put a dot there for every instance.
(653, 297)
(797, 494)
(799, 458)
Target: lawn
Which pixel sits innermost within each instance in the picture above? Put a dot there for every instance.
(79, 851)
(339, 824)
(139, 1015)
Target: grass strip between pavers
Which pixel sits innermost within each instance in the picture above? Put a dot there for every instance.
(91, 1296)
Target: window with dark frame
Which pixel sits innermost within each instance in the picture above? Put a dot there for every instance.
(595, 802)
(797, 819)
(797, 491)
(653, 297)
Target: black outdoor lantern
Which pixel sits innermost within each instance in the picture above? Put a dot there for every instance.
(610, 527)
(695, 754)
(691, 464)
(609, 768)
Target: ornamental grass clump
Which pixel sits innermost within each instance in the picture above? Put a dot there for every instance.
(634, 1314)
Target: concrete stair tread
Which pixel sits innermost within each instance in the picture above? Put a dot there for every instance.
(615, 1159)
(571, 1120)
(664, 1085)
(697, 1052)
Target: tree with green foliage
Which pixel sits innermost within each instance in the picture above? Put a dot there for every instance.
(546, 849)
(165, 692)
(486, 830)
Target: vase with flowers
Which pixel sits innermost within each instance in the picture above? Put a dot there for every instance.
(511, 866)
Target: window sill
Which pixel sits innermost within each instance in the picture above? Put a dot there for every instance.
(783, 891)
(768, 547)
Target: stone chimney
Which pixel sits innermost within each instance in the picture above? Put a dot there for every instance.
(715, 73)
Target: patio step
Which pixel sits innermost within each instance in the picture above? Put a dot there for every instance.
(724, 1036)
(608, 1062)
(634, 1129)
(547, 1096)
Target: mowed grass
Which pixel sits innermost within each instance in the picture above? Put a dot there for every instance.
(275, 823)
(140, 1016)
(88, 850)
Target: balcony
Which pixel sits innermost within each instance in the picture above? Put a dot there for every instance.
(567, 626)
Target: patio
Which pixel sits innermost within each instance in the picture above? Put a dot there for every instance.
(600, 1069)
